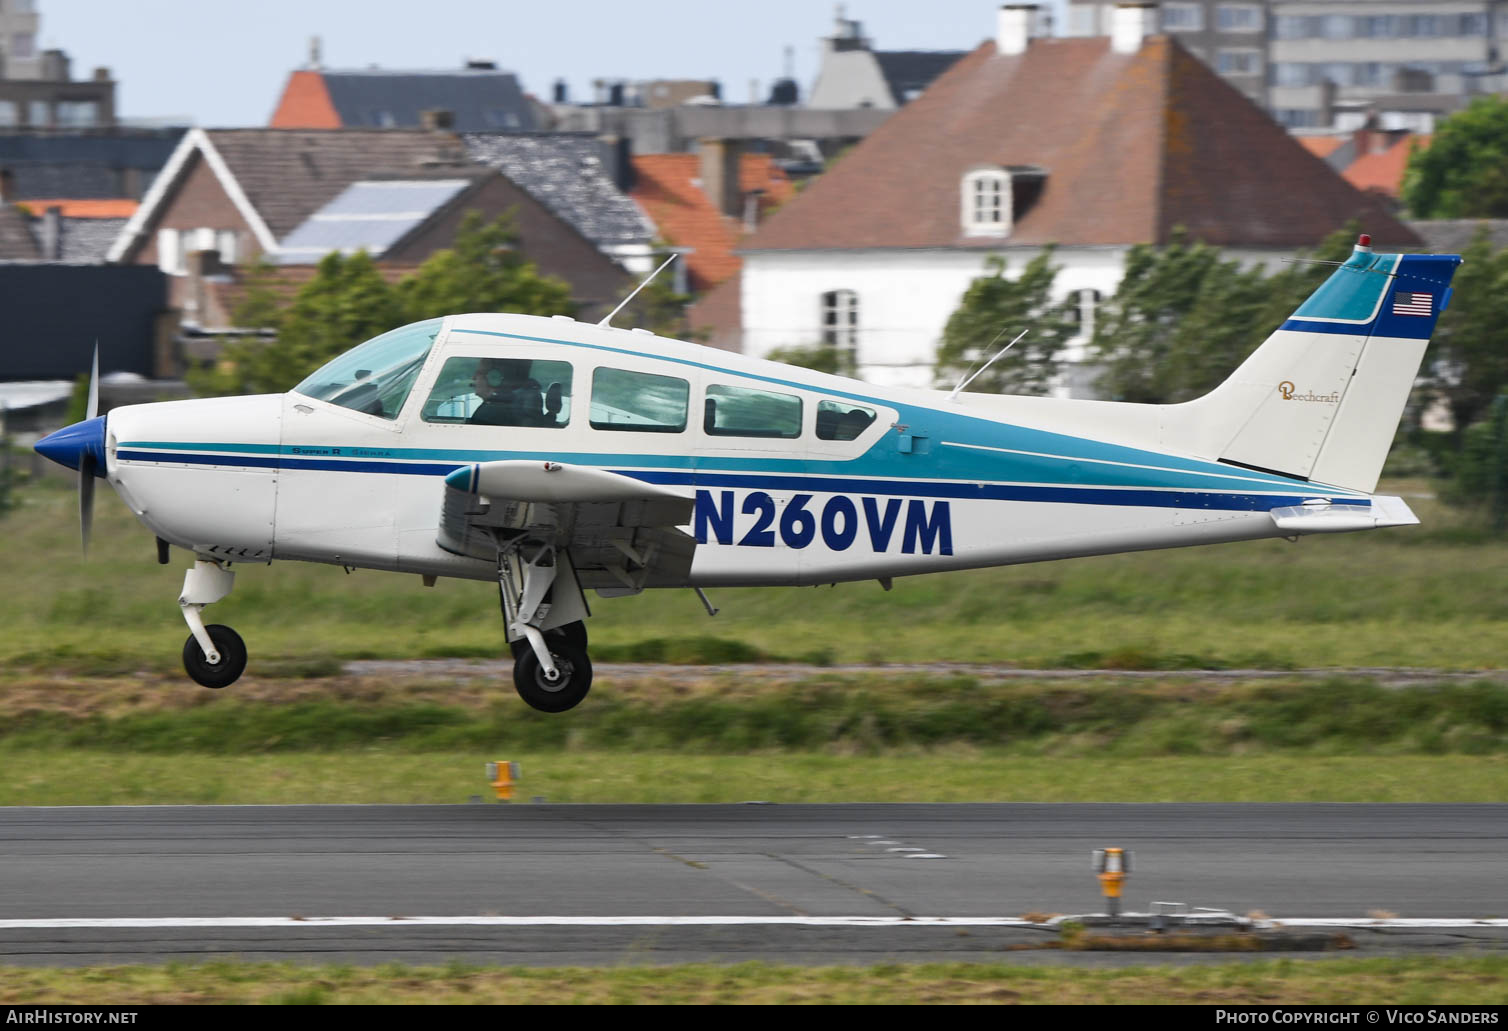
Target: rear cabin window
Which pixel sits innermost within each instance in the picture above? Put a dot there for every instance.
(638, 401)
(743, 412)
(501, 392)
(837, 421)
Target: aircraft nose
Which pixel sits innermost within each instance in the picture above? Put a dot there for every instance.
(69, 445)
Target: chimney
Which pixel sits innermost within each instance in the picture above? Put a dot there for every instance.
(1132, 24)
(720, 160)
(56, 67)
(437, 119)
(316, 58)
(1016, 25)
(562, 92)
(52, 233)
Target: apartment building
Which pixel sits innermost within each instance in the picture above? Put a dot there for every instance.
(1338, 64)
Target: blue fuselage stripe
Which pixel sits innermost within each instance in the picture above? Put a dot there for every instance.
(1087, 495)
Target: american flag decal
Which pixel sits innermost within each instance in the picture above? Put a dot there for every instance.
(1413, 304)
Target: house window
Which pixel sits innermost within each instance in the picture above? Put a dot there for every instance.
(1238, 17)
(9, 114)
(986, 202)
(225, 243)
(1238, 62)
(23, 44)
(78, 113)
(840, 325)
(1182, 17)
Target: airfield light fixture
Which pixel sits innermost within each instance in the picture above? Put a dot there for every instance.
(503, 775)
(1112, 866)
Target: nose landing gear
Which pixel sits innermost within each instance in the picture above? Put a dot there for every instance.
(215, 655)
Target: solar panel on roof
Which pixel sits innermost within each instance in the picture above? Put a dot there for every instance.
(370, 216)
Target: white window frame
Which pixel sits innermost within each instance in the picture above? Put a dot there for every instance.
(170, 252)
(839, 322)
(985, 202)
(1252, 56)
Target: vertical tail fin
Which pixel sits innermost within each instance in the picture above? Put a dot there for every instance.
(1320, 400)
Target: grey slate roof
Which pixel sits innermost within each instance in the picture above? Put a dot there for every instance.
(83, 164)
(908, 72)
(565, 173)
(83, 241)
(87, 241)
(17, 241)
(482, 100)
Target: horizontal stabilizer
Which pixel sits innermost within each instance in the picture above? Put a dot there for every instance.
(1324, 517)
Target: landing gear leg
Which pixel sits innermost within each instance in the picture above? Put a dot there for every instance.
(543, 609)
(215, 655)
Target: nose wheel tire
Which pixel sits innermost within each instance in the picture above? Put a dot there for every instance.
(564, 693)
(232, 658)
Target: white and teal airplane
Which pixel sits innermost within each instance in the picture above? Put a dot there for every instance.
(557, 457)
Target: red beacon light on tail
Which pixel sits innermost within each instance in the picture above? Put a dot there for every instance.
(1364, 242)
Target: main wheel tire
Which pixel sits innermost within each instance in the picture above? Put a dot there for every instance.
(573, 635)
(232, 658)
(534, 687)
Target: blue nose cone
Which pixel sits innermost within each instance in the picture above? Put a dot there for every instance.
(69, 445)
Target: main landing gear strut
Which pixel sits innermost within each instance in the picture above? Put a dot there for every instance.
(543, 613)
(214, 655)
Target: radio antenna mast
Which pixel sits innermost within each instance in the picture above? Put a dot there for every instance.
(954, 396)
(607, 319)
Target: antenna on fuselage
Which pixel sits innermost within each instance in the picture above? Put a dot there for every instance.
(986, 365)
(607, 319)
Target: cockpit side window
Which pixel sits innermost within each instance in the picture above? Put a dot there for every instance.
(744, 412)
(841, 421)
(375, 377)
(501, 392)
(639, 401)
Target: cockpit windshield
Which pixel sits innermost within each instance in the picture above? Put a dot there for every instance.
(375, 377)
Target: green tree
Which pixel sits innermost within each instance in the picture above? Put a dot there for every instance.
(1182, 319)
(1463, 173)
(838, 362)
(1481, 469)
(1467, 363)
(484, 271)
(994, 310)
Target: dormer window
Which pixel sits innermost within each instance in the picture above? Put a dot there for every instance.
(986, 201)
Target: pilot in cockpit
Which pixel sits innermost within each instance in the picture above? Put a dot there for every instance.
(509, 396)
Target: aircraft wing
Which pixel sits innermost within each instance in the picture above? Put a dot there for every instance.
(622, 534)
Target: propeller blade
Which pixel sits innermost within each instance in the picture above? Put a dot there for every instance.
(94, 386)
(86, 498)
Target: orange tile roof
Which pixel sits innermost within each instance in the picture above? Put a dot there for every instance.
(1321, 146)
(667, 187)
(1134, 146)
(305, 104)
(1382, 172)
(110, 207)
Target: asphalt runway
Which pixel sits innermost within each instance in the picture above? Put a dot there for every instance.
(566, 884)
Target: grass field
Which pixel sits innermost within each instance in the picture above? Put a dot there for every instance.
(722, 738)
(1367, 982)
(1428, 596)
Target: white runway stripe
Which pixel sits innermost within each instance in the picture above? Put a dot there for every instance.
(666, 921)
